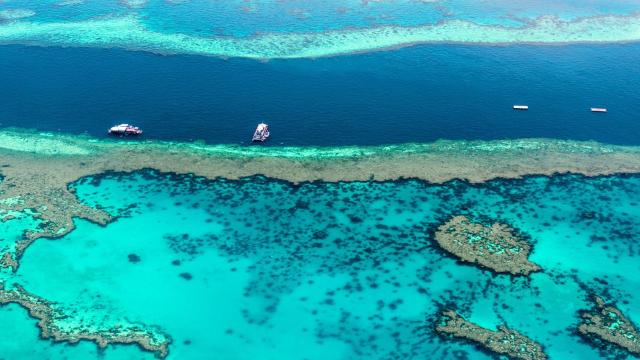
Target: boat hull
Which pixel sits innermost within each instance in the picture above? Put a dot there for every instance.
(260, 137)
(261, 134)
(124, 130)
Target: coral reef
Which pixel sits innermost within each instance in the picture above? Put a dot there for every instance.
(131, 33)
(605, 323)
(36, 168)
(496, 247)
(46, 314)
(504, 341)
(8, 261)
(15, 14)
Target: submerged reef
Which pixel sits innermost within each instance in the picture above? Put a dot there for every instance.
(37, 167)
(496, 247)
(130, 32)
(8, 260)
(503, 341)
(15, 14)
(47, 317)
(60, 207)
(605, 324)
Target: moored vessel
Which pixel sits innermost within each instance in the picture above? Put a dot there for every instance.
(261, 133)
(125, 130)
(599, 110)
(521, 107)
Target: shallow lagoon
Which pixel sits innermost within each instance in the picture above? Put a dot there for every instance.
(337, 270)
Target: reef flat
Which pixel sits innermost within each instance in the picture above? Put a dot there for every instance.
(503, 341)
(605, 323)
(47, 317)
(130, 32)
(496, 247)
(37, 167)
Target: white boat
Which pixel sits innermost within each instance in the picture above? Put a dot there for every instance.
(124, 130)
(600, 110)
(521, 107)
(261, 133)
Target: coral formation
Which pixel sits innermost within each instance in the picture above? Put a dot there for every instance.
(504, 341)
(15, 14)
(130, 32)
(8, 261)
(37, 168)
(605, 323)
(496, 247)
(46, 314)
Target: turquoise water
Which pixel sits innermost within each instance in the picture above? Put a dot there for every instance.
(301, 29)
(203, 17)
(265, 269)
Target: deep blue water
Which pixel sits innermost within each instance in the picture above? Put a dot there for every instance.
(415, 94)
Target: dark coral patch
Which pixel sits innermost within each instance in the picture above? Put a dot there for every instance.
(186, 276)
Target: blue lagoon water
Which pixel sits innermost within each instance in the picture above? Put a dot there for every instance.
(264, 269)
